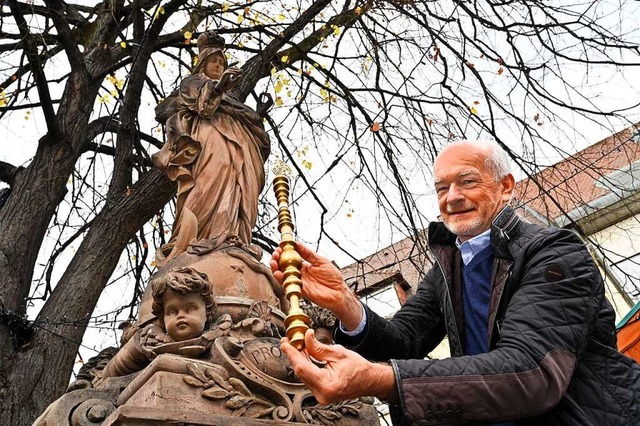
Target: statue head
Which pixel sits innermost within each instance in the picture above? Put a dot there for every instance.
(211, 58)
(322, 321)
(183, 302)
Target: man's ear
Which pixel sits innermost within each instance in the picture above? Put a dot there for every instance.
(508, 183)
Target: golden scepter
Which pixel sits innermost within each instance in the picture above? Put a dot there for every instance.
(297, 322)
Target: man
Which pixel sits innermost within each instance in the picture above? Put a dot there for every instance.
(531, 334)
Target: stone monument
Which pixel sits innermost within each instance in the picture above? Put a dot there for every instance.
(205, 347)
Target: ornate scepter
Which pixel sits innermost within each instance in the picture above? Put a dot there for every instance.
(297, 322)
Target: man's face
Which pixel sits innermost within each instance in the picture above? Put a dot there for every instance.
(214, 66)
(468, 195)
(184, 315)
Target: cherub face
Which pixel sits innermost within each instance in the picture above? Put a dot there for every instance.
(214, 66)
(184, 315)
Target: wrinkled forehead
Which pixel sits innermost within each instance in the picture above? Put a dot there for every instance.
(459, 160)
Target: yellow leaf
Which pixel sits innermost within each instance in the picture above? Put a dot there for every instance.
(3, 99)
(474, 110)
(336, 30)
(153, 264)
(188, 35)
(279, 101)
(307, 164)
(240, 18)
(159, 12)
(278, 86)
(281, 17)
(123, 44)
(225, 6)
(299, 71)
(358, 10)
(325, 94)
(195, 61)
(375, 126)
(274, 70)
(284, 58)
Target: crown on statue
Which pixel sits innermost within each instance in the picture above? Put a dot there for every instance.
(280, 168)
(210, 39)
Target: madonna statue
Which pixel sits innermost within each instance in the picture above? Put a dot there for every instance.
(216, 148)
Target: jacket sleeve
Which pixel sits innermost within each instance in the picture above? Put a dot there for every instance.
(415, 330)
(545, 328)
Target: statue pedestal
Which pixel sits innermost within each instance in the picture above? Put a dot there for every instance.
(144, 416)
(177, 390)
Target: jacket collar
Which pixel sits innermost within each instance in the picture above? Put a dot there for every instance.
(503, 228)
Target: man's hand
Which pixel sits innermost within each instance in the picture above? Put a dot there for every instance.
(346, 375)
(229, 79)
(322, 283)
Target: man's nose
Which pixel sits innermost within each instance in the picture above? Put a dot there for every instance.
(454, 194)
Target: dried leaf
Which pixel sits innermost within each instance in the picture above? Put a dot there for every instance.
(500, 71)
(375, 127)
(329, 415)
(195, 372)
(240, 412)
(213, 375)
(256, 412)
(236, 402)
(192, 381)
(239, 386)
(215, 393)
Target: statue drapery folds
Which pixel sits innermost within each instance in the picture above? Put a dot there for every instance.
(216, 148)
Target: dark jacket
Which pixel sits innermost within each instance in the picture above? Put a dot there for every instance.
(552, 357)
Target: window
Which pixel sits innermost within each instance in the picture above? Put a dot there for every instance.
(383, 301)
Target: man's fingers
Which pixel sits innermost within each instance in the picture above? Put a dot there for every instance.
(303, 367)
(315, 348)
(310, 255)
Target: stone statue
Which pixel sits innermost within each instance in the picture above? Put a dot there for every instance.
(183, 303)
(216, 148)
(205, 348)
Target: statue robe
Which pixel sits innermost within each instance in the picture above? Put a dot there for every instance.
(216, 148)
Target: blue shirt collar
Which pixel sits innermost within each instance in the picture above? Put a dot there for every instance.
(473, 246)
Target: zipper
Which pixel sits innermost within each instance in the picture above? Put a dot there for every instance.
(498, 323)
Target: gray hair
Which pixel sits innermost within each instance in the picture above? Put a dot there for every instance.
(498, 160)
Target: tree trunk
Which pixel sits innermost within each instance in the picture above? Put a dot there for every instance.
(39, 371)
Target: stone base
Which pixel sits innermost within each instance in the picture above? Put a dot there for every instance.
(144, 416)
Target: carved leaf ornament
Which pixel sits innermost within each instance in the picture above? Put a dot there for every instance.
(216, 387)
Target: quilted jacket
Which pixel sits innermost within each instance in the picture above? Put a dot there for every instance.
(552, 357)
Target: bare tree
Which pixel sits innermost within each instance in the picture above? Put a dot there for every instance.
(364, 90)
